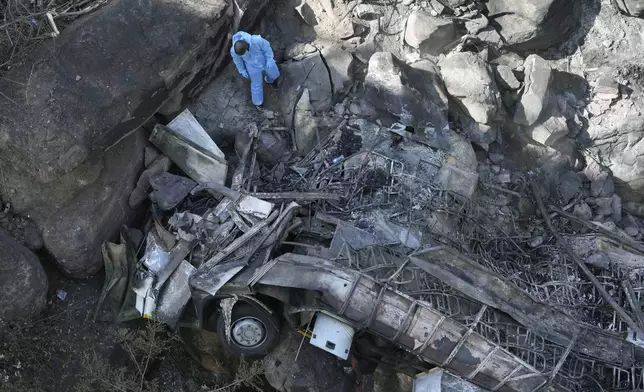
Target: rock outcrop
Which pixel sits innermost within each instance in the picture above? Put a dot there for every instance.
(534, 24)
(619, 143)
(429, 34)
(414, 95)
(76, 99)
(472, 87)
(310, 73)
(23, 282)
(469, 80)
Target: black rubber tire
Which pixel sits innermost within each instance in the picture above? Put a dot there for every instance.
(241, 310)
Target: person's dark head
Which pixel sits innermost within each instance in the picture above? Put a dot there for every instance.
(241, 47)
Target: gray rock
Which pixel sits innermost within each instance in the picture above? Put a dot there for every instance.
(298, 51)
(534, 99)
(415, 95)
(604, 206)
(58, 122)
(628, 219)
(354, 108)
(510, 59)
(368, 12)
(631, 7)
(550, 131)
(606, 87)
(339, 109)
(74, 233)
(340, 65)
(23, 282)
(476, 25)
(583, 211)
(602, 186)
(496, 158)
(491, 36)
(310, 73)
(506, 78)
(632, 231)
(305, 125)
(315, 370)
(469, 81)
(481, 134)
(534, 24)
(33, 239)
(618, 138)
(427, 33)
(569, 186)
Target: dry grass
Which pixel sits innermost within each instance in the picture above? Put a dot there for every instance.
(27, 23)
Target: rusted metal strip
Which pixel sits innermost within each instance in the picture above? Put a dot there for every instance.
(431, 335)
(483, 363)
(374, 311)
(506, 379)
(345, 305)
(463, 338)
(405, 322)
(553, 374)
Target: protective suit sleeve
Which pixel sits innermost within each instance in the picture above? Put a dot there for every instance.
(239, 63)
(267, 51)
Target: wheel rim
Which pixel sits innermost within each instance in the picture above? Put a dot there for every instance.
(248, 332)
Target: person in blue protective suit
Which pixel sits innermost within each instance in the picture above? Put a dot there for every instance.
(254, 59)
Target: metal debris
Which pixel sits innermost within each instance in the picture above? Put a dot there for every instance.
(437, 264)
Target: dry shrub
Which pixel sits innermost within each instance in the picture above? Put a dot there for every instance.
(26, 23)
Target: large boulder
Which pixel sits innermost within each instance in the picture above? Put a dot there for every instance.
(618, 142)
(310, 73)
(534, 100)
(23, 282)
(340, 64)
(631, 7)
(414, 95)
(534, 24)
(92, 213)
(470, 81)
(106, 75)
(314, 371)
(471, 84)
(428, 33)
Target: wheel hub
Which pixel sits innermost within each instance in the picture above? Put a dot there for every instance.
(248, 332)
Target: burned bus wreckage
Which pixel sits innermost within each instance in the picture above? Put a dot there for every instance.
(393, 238)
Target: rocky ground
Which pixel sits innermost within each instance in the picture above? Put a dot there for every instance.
(478, 100)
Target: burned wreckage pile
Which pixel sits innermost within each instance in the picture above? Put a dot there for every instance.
(380, 229)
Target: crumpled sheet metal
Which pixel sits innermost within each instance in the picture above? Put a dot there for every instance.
(175, 295)
(155, 258)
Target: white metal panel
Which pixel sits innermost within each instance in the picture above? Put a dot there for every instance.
(332, 335)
